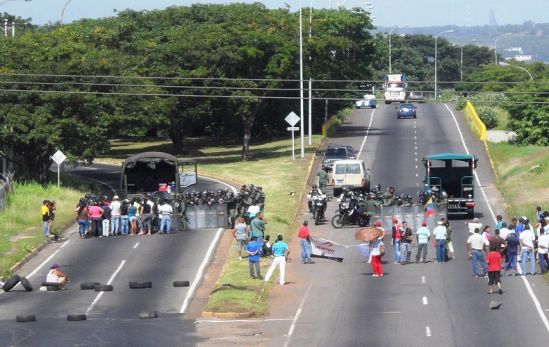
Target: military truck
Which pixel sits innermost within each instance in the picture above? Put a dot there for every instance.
(450, 178)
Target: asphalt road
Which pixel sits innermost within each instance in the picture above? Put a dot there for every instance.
(112, 316)
(418, 304)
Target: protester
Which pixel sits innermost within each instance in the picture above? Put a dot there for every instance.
(496, 242)
(422, 235)
(406, 239)
(499, 222)
(45, 211)
(115, 215)
(494, 270)
(51, 219)
(254, 248)
(147, 216)
(512, 246)
(106, 218)
(527, 251)
(95, 215)
(440, 239)
(267, 249)
(132, 216)
(138, 213)
(473, 225)
(503, 231)
(475, 245)
(304, 234)
(82, 218)
(377, 250)
(281, 252)
(543, 250)
(449, 245)
(57, 276)
(395, 240)
(240, 233)
(124, 218)
(257, 227)
(165, 210)
(486, 233)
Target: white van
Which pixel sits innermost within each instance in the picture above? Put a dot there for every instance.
(350, 173)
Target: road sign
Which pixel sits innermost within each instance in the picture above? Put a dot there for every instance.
(292, 118)
(58, 157)
(292, 128)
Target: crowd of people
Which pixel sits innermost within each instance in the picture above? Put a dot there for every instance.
(127, 217)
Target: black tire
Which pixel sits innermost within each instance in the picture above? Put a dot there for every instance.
(24, 318)
(103, 288)
(76, 317)
(26, 284)
(11, 282)
(181, 283)
(140, 285)
(89, 285)
(148, 315)
(317, 217)
(52, 288)
(338, 221)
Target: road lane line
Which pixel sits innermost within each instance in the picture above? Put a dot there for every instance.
(524, 280)
(64, 244)
(200, 271)
(42, 264)
(100, 294)
(367, 132)
(136, 245)
(423, 279)
(427, 331)
(425, 302)
(297, 314)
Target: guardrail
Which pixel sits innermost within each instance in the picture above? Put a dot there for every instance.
(472, 116)
(6, 187)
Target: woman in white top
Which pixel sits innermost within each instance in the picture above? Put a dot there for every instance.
(57, 276)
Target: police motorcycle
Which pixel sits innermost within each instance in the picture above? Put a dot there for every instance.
(352, 210)
(317, 202)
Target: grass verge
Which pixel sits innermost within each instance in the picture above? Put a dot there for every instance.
(271, 167)
(20, 223)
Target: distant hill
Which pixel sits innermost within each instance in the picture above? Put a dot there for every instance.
(532, 38)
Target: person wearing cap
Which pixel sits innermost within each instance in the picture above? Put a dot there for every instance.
(473, 225)
(440, 239)
(115, 215)
(422, 235)
(475, 245)
(57, 276)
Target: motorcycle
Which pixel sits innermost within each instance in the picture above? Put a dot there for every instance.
(317, 205)
(351, 211)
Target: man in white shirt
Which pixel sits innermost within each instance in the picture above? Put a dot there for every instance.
(503, 232)
(543, 250)
(115, 215)
(165, 211)
(475, 245)
(473, 225)
(527, 242)
(440, 237)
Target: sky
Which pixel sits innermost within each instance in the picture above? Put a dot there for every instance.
(414, 13)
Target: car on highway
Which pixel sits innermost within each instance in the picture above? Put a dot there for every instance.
(368, 101)
(406, 110)
(416, 97)
(336, 152)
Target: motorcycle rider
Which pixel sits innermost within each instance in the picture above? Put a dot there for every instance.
(323, 178)
(316, 193)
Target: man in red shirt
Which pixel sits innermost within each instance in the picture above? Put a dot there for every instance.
(494, 270)
(304, 234)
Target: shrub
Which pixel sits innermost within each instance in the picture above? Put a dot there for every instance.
(460, 105)
(489, 117)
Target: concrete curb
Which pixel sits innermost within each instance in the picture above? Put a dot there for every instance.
(490, 159)
(229, 315)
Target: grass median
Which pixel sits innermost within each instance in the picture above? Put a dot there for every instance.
(271, 167)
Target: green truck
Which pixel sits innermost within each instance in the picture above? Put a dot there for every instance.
(450, 178)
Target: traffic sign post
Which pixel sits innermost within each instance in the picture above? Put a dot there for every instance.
(292, 120)
(58, 158)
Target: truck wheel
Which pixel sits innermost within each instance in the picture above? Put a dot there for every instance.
(338, 221)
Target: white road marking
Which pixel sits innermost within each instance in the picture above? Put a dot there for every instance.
(427, 331)
(243, 320)
(65, 243)
(417, 175)
(297, 314)
(425, 302)
(423, 279)
(136, 245)
(200, 271)
(524, 280)
(415, 153)
(416, 159)
(391, 312)
(48, 259)
(416, 167)
(367, 132)
(111, 279)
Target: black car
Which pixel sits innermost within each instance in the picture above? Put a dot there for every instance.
(338, 152)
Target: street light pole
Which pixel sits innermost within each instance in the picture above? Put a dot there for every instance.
(496, 46)
(436, 56)
(390, 47)
(461, 60)
(518, 67)
(301, 78)
(67, 2)
(310, 80)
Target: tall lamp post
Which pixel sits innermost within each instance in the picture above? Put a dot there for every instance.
(310, 108)
(436, 56)
(518, 67)
(461, 59)
(67, 2)
(496, 46)
(390, 47)
(301, 78)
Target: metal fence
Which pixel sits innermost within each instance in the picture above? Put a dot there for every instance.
(413, 215)
(207, 216)
(6, 187)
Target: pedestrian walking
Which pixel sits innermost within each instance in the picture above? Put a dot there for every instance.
(240, 234)
(115, 215)
(406, 239)
(512, 246)
(497, 242)
(395, 240)
(45, 211)
(304, 234)
(254, 248)
(527, 250)
(449, 245)
(422, 235)
(475, 245)
(377, 250)
(494, 270)
(543, 250)
(440, 239)
(281, 253)
(486, 233)
(82, 218)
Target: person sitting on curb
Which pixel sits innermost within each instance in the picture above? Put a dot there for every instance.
(57, 276)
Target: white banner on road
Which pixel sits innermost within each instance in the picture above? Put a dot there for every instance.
(327, 249)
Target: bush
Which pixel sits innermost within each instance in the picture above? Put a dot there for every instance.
(489, 117)
(460, 105)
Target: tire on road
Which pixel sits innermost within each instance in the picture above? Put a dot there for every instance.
(181, 283)
(24, 318)
(76, 317)
(26, 284)
(11, 282)
(89, 285)
(148, 315)
(53, 288)
(338, 221)
(140, 285)
(103, 288)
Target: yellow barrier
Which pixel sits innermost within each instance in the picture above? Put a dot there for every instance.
(328, 125)
(472, 116)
